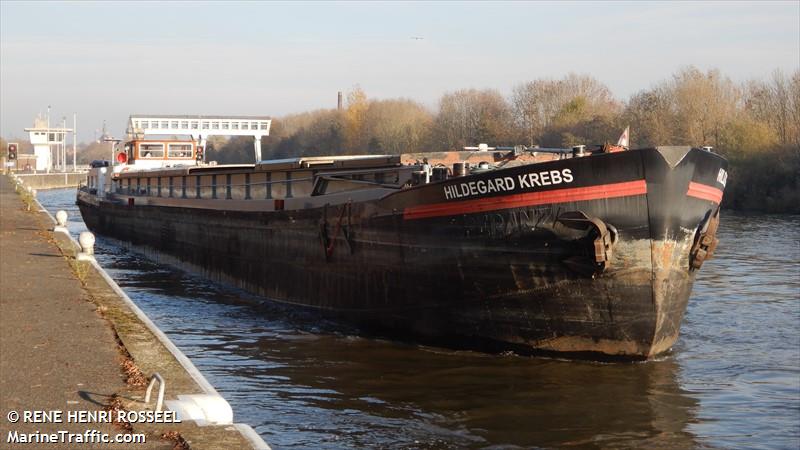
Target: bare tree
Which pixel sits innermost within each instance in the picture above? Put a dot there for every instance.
(650, 116)
(702, 104)
(396, 126)
(541, 106)
(355, 120)
(472, 116)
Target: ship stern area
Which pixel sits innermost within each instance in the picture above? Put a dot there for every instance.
(601, 268)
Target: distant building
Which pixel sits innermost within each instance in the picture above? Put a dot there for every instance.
(43, 138)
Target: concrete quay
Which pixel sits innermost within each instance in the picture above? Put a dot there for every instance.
(71, 340)
(52, 180)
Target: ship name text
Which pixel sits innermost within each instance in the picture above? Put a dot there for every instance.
(507, 184)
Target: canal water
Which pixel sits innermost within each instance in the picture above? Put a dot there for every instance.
(731, 381)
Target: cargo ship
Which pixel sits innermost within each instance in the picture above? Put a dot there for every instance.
(575, 252)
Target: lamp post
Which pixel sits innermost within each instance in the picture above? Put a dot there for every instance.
(63, 144)
(49, 144)
(74, 142)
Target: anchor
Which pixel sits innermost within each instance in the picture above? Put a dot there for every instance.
(705, 242)
(602, 248)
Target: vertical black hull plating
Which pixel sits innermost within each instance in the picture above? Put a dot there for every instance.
(496, 266)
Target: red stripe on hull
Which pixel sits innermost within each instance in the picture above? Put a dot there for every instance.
(704, 192)
(625, 189)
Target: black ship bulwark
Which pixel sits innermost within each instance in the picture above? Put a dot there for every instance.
(576, 254)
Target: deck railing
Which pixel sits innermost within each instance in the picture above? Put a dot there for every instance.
(179, 187)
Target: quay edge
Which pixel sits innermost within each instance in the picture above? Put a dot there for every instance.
(153, 352)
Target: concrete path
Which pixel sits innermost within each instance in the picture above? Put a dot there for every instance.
(56, 351)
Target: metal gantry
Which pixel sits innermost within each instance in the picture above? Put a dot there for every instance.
(201, 127)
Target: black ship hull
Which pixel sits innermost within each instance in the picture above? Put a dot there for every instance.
(585, 256)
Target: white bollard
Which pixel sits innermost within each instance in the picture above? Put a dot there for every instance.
(204, 409)
(30, 192)
(61, 222)
(86, 240)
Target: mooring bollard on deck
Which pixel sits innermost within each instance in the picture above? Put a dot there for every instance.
(86, 240)
(61, 222)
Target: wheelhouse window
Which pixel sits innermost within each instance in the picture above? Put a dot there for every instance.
(151, 150)
(179, 151)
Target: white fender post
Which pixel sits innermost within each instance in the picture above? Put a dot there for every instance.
(86, 240)
(31, 192)
(61, 222)
(204, 409)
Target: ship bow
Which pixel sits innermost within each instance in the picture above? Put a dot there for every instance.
(685, 187)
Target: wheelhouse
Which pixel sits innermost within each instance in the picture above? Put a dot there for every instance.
(156, 152)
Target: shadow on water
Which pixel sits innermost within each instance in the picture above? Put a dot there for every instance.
(301, 381)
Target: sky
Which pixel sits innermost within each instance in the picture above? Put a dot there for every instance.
(106, 61)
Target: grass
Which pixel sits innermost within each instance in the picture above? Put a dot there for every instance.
(27, 198)
(79, 268)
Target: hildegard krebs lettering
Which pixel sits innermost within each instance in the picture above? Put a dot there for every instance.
(507, 184)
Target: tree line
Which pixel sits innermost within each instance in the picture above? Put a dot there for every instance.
(755, 125)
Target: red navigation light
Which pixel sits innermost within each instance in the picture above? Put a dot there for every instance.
(12, 152)
(122, 157)
(199, 156)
